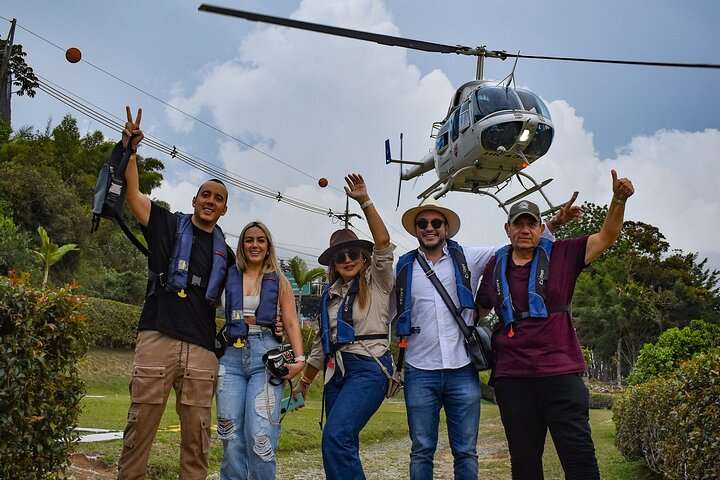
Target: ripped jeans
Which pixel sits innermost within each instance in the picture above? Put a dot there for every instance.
(248, 410)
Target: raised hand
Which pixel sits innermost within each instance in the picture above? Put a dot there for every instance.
(622, 187)
(132, 129)
(569, 211)
(356, 188)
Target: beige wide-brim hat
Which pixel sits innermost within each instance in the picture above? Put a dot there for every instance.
(453, 221)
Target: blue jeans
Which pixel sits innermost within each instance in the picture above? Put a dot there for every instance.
(458, 392)
(248, 410)
(350, 401)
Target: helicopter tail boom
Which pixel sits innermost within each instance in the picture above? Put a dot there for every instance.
(423, 166)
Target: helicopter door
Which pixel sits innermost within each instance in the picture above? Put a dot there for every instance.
(443, 159)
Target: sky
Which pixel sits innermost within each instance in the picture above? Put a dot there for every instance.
(281, 108)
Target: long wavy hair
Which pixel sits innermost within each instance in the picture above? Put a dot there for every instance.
(363, 286)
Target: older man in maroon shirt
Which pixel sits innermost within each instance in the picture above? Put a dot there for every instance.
(538, 358)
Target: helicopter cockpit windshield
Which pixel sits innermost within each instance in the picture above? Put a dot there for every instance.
(533, 103)
(490, 99)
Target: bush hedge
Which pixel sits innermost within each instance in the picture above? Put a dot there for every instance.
(44, 334)
(112, 324)
(672, 347)
(601, 401)
(673, 422)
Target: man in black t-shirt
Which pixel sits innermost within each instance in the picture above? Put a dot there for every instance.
(176, 333)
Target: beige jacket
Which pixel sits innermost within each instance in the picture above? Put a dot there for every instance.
(374, 318)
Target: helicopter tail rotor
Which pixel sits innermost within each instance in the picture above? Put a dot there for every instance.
(389, 159)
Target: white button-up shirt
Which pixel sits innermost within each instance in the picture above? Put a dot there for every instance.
(439, 344)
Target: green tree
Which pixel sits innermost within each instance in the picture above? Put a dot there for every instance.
(673, 347)
(635, 291)
(23, 76)
(14, 252)
(303, 275)
(50, 253)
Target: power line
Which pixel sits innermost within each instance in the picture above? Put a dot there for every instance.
(110, 121)
(107, 119)
(169, 105)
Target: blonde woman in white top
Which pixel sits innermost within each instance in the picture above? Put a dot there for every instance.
(257, 294)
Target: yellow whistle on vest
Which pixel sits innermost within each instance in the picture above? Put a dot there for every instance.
(182, 293)
(239, 343)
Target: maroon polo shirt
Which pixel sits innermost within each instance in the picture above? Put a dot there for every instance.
(540, 347)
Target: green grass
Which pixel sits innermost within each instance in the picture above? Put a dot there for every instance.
(106, 372)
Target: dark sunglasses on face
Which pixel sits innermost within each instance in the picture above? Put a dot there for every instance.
(435, 222)
(353, 253)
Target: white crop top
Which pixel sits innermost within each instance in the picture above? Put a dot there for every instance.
(250, 305)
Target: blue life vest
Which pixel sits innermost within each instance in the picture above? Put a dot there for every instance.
(345, 323)
(267, 310)
(539, 275)
(403, 285)
(178, 271)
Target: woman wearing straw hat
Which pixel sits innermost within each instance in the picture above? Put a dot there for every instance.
(354, 328)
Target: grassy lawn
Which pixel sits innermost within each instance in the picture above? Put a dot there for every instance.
(107, 372)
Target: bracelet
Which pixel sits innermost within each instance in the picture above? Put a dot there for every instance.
(300, 358)
(304, 379)
(617, 200)
(365, 204)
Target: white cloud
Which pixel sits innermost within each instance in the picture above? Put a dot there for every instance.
(324, 105)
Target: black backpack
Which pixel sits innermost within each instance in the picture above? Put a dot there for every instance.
(110, 193)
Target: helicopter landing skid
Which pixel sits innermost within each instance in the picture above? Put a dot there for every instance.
(437, 192)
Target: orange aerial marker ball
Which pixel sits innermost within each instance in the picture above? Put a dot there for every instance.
(323, 182)
(73, 55)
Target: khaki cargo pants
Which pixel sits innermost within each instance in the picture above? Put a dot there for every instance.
(161, 363)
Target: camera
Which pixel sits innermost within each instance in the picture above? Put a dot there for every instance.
(276, 359)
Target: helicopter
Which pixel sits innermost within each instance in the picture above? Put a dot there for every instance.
(492, 131)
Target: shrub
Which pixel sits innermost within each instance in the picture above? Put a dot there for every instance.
(673, 346)
(673, 423)
(486, 391)
(44, 334)
(601, 401)
(112, 324)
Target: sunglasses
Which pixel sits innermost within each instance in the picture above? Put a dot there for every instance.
(353, 253)
(435, 222)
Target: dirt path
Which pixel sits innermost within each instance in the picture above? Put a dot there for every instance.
(385, 460)
(381, 461)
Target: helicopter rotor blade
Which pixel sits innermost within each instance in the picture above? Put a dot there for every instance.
(342, 32)
(616, 62)
(426, 46)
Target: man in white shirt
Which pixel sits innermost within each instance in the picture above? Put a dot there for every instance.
(438, 370)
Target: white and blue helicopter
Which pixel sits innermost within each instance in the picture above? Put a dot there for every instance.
(492, 130)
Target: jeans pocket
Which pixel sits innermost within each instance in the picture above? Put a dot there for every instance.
(198, 387)
(147, 384)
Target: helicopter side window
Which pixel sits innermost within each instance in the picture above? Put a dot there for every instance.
(533, 103)
(441, 142)
(490, 99)
(454, 124)
(465, 116)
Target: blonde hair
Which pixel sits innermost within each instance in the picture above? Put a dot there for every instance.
(363, 284)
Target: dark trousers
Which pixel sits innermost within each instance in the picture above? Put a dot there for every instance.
(531, 406)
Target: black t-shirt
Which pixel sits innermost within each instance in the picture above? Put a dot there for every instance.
(192, 318)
